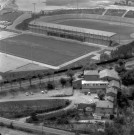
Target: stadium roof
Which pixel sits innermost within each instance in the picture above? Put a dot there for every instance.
(75, 29)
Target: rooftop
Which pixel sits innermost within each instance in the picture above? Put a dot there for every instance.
(111, 90)
(91, 72)
(71, 28)
(109, 98)
(92, 82)
(114, 83)
(109, 73)
(104, 104)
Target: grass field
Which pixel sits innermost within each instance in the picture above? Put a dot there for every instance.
(123, 31)
(45, 50)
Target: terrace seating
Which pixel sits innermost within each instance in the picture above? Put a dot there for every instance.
(10, 16)
(130, 14)
(98, 11)
(115, 12)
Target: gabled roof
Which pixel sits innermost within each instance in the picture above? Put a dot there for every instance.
(111, 90)
(114, 83)
(91, 72)
(104, 104)
(109, 73)
(109, 98)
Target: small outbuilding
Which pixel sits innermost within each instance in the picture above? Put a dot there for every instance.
(91, 75)
(104, 107)
(109, 75)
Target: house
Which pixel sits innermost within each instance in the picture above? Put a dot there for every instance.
(94, 86)
(109, 98)
(91, 75)
(109, 74)
(115, 84)
(104, 107)
(111, 92)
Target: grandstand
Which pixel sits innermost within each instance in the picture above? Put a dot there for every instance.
(98, 11)
(74, 33)
(115, 12)
(10, 16)
(130, 14)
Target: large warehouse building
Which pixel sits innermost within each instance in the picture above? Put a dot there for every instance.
(75, 33)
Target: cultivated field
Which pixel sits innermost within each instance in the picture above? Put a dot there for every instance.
(16, 109)
(45, 50)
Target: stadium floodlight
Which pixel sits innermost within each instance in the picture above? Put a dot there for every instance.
(34, 4)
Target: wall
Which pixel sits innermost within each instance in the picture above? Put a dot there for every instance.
(91, 77)
(92, 90)
(104, 111)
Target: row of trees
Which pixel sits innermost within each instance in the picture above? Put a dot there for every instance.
(19, 77)
(122, 52)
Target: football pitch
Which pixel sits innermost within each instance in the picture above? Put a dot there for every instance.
(44, 50)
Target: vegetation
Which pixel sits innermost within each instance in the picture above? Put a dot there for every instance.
(70, 73)
(63, 81)
(101, 94)
(16, 109)
(128, 78)
(123, 52)
(50, 85)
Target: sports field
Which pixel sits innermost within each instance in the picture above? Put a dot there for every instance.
(123, 31)
(45, 50)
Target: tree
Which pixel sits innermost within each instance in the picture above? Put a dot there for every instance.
(30, 77)
(70, 73)
(104, 57)
(1, 84)
(19, 81)
(34, 117)
(40, 76)
(50, 86)
(92, 66)
(128, 78)
(101, 94)
(122, 100)
(63, 82)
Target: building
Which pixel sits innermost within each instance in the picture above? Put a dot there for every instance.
(109, 75)
(91, 75)
(74, 33)
(115, 84)
(111, 92)
(110, 98)
(104, 107)
(94, 86)
(77, 84)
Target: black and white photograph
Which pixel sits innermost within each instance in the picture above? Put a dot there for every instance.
(66, 67)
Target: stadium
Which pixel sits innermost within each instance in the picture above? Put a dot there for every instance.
(59, 38)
